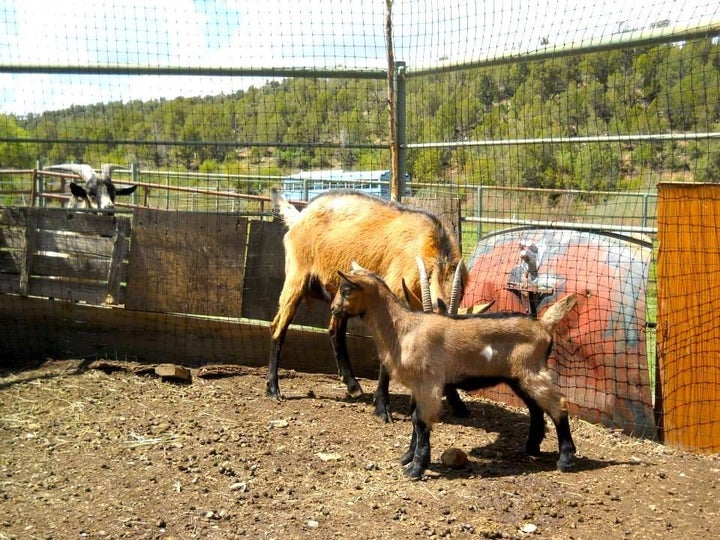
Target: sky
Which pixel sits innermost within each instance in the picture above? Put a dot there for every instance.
(316, 34)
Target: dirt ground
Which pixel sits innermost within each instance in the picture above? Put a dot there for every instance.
(87, 453)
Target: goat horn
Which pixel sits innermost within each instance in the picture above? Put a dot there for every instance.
(83, 170)
(424, 286)
(355, 266)
(455, 292)
(108, 168)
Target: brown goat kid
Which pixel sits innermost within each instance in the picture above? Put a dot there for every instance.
(338, 227)
(424, 352)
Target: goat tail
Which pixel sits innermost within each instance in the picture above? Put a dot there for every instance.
(282, 207)
(558, 311)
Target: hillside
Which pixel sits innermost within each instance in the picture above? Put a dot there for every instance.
(298, 124)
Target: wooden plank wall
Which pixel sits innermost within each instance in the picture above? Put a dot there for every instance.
(212, 264)
(32, 329)
(188, 279)
(56, 253)
(13, 243)
(688, 307)
(187, 262)
(265, 275)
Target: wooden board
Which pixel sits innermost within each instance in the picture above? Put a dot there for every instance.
(57, 253)
(13, 242)
(13, 216)
(265, 274)
(78, 222)
(33, 328)
(186, 262)
(688, 306)
(265, 269)
(92, 268)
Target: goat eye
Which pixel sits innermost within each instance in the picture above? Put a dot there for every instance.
(346, 289)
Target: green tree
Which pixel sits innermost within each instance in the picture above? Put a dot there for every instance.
(14, 154)
(597, 167)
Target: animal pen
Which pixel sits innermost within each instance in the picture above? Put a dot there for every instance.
(577, 152)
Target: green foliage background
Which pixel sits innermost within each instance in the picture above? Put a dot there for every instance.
(302, 123)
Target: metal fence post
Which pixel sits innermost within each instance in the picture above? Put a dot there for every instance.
(134, 175)
(479, 210)
(400, 90)
(38, 187)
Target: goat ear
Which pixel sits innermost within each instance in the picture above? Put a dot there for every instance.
(346, 278)
(126, 191)
(411, 299)
(77, 190)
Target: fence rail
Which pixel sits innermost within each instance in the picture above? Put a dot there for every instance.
(41, 187)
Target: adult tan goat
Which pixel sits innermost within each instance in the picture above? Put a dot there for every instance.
(338, 227)
(425, 352)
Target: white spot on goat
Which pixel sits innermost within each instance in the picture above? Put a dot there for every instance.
(343, 205)
(487, 352)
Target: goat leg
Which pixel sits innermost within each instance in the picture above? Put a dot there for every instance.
(565, 441)
(537, 420)
(408, 456)
(288, 303)
(338, 331)
(272, 389)
(565, 444)
(459, 409)
(537, 430)
(381, 399)
(533, 391)
(419, 447)
(382, 396)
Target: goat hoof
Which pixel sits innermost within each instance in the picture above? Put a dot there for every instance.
(407, 457)
(383, 413)
(532, 450)
(414, 472)
(274, 395)
(565, 463)
(354, 390)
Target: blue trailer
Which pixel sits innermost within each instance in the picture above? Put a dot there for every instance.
(305, 185)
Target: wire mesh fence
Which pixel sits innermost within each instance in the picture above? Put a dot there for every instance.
(562, 117)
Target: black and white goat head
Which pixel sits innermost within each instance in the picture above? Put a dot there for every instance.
(99, 192)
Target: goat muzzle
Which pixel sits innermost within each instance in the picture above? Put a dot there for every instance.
(337, 306)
